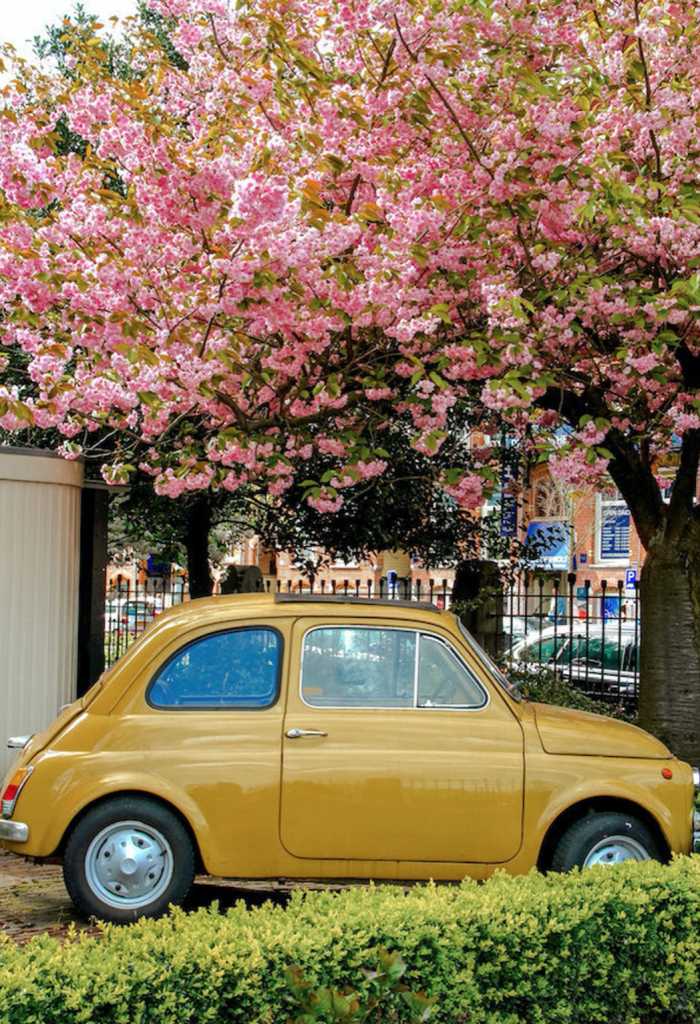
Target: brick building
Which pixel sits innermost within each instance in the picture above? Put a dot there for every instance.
(588, 545)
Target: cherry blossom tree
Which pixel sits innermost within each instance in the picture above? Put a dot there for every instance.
(490, 204)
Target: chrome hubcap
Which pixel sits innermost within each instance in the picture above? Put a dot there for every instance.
(615, 849)
(129, 863)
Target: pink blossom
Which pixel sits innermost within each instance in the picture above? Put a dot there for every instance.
(278, 244)
(469, 492)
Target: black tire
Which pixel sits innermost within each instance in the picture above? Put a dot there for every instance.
(127, 858)
(606, 838)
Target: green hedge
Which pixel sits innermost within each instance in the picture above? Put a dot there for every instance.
(610, 945)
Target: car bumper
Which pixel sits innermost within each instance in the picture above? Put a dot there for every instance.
(13, 831)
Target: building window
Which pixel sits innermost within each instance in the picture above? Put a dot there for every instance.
(551, 500)
(337, 562)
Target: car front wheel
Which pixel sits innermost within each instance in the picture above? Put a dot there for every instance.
(606, 838)
(128, 858)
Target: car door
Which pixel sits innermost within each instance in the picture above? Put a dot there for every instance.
(206, 734)
(394, 748)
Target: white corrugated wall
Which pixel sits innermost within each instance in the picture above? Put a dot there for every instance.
(39, 568)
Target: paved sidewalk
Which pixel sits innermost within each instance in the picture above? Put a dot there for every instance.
(33, 899)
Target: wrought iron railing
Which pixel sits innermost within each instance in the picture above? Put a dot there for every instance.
(590, 639)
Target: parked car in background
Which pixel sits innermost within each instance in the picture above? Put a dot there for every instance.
(124, 615)
(136, 615)
(517, 628)
(262, 736)
(600, 660)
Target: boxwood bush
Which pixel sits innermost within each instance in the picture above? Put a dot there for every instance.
(605, 945)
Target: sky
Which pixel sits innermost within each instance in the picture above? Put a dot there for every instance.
(21, 20)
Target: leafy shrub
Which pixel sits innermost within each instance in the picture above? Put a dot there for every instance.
(605, 946)
(384, 999)
(539, 684)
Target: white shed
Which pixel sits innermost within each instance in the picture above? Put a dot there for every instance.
(40, 497)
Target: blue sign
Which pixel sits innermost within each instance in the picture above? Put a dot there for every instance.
(548, 544)
(509, 501)
(610, 607)
(615, 535)
(630, 579)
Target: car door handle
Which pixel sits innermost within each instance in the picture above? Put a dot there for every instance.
(295, 734)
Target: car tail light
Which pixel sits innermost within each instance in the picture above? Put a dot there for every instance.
(13, 789)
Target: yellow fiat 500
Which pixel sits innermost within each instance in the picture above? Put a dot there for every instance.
(262, 737)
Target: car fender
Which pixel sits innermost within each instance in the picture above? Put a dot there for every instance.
(50, 819)
(583, 781)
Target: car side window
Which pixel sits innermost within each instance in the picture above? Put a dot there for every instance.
(630, 657)
(238, 668)
(349, 666)
(587, 649)
(443, 679)
(362, 667)
(541, 650)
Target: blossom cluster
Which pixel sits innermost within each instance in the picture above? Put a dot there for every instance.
(329, 213)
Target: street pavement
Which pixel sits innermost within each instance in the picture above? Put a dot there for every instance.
(33, 899)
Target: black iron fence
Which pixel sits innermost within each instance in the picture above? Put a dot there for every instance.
(437, 592)
(130, 607)
(589, 638)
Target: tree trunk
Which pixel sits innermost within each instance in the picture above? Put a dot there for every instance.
(197, 546)
(669, 700)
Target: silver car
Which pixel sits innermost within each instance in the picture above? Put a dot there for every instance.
(600, 660)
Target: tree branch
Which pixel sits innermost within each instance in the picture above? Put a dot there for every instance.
(353, 189)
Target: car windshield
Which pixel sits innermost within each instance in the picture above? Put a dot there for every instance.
(496, 673)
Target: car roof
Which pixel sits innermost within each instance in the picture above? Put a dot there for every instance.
(220, 606)
(386, 602)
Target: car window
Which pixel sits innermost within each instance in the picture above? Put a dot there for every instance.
(588, 649)
(630, 657)
(542, 650)
(357, 667)
(612, 656)
(237, 668)
(494, 671)
(443, 679)
(353, 666)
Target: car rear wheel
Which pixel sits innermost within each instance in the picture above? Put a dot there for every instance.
(128, 858)
(606, 838)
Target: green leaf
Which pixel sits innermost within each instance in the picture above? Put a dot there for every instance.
(438, 380)
(441, 310)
